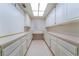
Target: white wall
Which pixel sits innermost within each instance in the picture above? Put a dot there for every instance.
(38, 25)
(11, 20)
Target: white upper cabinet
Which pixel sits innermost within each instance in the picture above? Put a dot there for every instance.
(27, 20)
(11, 20)
(60, 13)
(72, 10)
(64, 12)
(51, 18)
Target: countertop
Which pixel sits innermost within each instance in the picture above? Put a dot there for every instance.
(69, 38)
(5, 41)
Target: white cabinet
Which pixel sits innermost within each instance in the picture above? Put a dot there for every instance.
(11, 20)
(27, 21)
(58, 49)
(7, 51)
(70, 47)
(24, 46)
(51, 18)
(20, 51)
(72, 10)
(54, 47)
(0, 51)
(60, 13)
(66, 12)
(17, 52)
(47, 39)
(61, 47)
(29, 39)
(17, 47)
(63, 13)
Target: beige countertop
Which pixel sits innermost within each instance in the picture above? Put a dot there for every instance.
(69, 38)
(5, 41)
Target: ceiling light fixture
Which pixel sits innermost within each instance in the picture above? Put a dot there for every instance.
(38, 8)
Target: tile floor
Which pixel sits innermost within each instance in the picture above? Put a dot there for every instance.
(38, 48)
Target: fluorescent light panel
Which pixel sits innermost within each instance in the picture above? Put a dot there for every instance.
(34, 6)
(41, 13)
(35, 13)
(41, 8)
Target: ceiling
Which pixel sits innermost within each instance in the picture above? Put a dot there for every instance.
(28, 9)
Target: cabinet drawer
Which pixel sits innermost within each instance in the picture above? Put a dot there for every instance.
(63, 51)
(8, 50)
(68, 46)
(24, 47)
(17, 52)
(0, 51)
(54, 47)
(58, 50)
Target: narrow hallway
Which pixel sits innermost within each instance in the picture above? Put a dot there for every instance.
(51, 28)
(38, 48)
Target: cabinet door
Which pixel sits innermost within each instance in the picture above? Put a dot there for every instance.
(17, 51)
(60, 13)
(53, 47)
(72, 10)
(67, 46)
(24, 47)
(51, 18)
(58, 50)
(27, 21)
(7, 51)
(0, 51)
(48, 39)
(63, 51)
(28, 39)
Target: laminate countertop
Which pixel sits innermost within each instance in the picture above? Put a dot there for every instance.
(69, 38)
(5, 41)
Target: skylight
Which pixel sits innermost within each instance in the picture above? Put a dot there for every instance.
(38, 8)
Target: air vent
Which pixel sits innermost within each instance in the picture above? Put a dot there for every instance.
(24, 5)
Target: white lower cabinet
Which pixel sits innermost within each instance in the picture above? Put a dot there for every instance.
(8, 50)
(18, 47)
(47, 40)
(17, 52)
(24, 46)
(71, 48)
(60, 47)
(54, 47)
